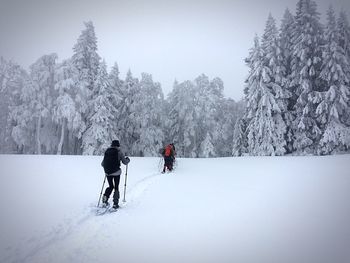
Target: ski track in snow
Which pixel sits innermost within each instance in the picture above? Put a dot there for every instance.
(75, 223)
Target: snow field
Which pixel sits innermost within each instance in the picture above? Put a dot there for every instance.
(263, 209)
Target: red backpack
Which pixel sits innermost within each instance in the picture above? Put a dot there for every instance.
(167, 151)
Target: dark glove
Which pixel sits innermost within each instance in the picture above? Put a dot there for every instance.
(127, 159)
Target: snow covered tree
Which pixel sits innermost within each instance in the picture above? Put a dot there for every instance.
(285, 40)
(344, 33)
(181, 125)
(87, 61)
(33, 114)
(128, 130)
(306, 62)
(228, 114)
(85, 57)
(116, 85)
(332, 110)
(240, 146)
(207, 148)
(344, 43)
(64, 111)
(12, 80)
(151, 117)
(265, 96)
(208, 102)
(100, 130)
(285, 44)
(240, 143)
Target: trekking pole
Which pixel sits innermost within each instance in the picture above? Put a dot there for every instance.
(126, 176)
(103, 185)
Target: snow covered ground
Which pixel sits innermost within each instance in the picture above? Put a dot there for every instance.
(262, 209)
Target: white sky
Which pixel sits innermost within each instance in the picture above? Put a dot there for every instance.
(169, 39)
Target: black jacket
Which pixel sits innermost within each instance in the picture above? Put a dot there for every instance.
(111, 161)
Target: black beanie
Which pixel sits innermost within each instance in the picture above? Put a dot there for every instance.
(115, 143)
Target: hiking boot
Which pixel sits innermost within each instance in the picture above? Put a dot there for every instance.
(115, 206)
(105, 201)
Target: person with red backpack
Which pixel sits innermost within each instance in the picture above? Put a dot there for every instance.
(169, 157)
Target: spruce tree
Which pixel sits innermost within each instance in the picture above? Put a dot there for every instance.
(150, 108)
(266, 97)
(334, 105)
(87, 61)
(182, 118)
(285, 44)
(240, 139)
(305, 64)
(100, 131)
(129, 118)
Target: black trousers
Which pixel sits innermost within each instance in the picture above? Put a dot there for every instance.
(113, 182)
(168, 162)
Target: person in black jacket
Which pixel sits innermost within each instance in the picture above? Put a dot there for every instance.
(111, 165)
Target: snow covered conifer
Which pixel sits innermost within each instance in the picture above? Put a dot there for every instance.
(207, 148)
(208, 102)
(182, 120)
(344, 33)
(100, 130)
(85, 57)
(285, 45)
(332, 110)
(87, 61)
(116, 84)
(239, 138)
(128, 125)
(150, 108)
(266, 97)
(306, 62)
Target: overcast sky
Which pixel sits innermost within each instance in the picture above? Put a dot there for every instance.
(169, 39)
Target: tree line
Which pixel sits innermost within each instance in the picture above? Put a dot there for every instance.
(78, 107)
(296, 99)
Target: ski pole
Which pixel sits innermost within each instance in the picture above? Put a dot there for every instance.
(126, 176)
(103, 185)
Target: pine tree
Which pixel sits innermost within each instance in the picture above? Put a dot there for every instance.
(240, 139)
(240, 143)
(207, 148)
(100, 131)
(87, 61)
(129, 119)
(266, 97)
(228, 113)
(306, 61)
(117, 85)
(344, 33)
(85, 57)
(286, 45)
(344, 43)
(334, 105)
(208, 102)
(182, 118)
(150, 107)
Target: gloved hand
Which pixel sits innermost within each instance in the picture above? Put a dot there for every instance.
(127, 159)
